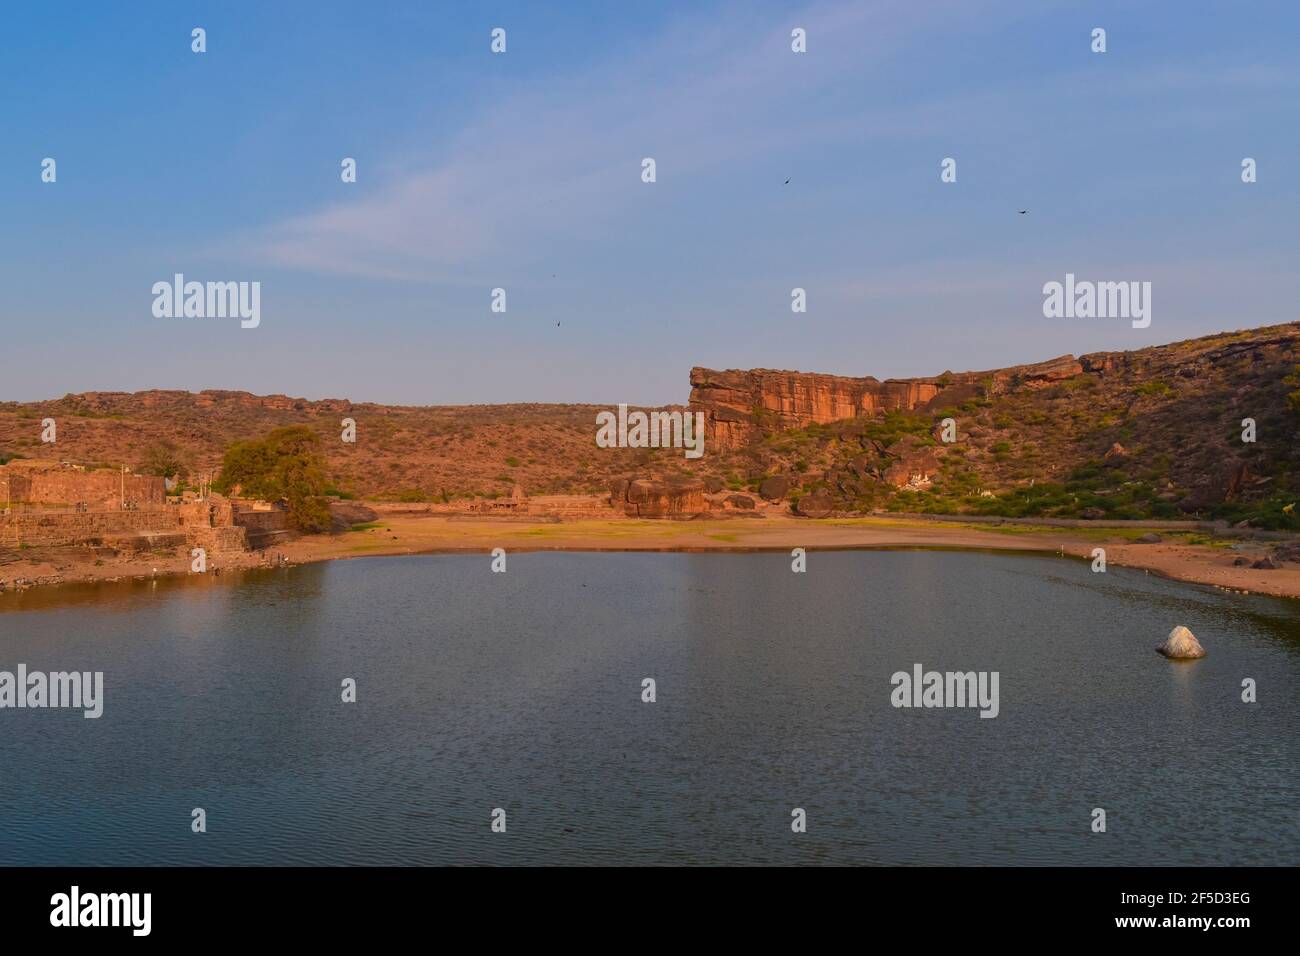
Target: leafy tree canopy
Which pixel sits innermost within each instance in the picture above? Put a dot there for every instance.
(284, 465)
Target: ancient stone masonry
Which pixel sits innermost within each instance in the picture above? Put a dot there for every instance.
(264, 523)
(45, 504)
(50, 485)
(517, 503)
(742, 406)
(39, 528)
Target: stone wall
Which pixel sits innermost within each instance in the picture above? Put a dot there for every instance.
(261, 522)
(62, 528)
(54, 486)
(217, 540)
(263, 526)
(217, 524)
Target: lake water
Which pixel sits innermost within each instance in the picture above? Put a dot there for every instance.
(523, 691)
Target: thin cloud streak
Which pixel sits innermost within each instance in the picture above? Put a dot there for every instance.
(563, 162)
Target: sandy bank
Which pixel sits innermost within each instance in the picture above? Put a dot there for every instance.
(1184, 557)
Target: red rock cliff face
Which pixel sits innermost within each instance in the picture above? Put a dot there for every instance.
(741, 406)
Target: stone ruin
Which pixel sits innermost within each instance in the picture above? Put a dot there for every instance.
(49, 504)
(517, 503)
(48, 485)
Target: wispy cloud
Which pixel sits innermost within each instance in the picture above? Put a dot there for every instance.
(563, 161)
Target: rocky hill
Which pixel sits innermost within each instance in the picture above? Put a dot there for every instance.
(401, 453)
(1150, 433)
(741, 406)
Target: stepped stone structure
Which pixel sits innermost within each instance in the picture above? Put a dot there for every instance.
(47, 504)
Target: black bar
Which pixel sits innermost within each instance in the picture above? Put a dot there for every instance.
(640, 907)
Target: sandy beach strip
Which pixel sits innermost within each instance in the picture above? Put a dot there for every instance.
(1184, 556)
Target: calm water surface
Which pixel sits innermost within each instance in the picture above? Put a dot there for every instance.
(523, 691)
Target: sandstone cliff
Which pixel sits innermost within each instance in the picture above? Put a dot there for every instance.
(742, 406)
(1207, 427)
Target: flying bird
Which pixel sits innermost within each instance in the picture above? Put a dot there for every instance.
(1023, 211)
(787, 182)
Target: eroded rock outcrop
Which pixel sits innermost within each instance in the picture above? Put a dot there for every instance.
(741, 406)
(659, 497)
(913, 464)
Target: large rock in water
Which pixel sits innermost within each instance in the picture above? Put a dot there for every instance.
(1181, 645)
(659, 497)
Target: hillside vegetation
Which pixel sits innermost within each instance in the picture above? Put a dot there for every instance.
(1151, 433)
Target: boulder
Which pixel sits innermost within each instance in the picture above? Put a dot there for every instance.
(1264, 564)
(904, 446)
(713, 484)
(1203, 497)
(1181, 645)
(740, 501)
(1116, 450)
(914, 466)
(816, 505)
(851, 487)
(862, 466)
(659, 497)
(1092, 514)
(1287, 552)
(1149, 538)
(344, 514)
(774, 488)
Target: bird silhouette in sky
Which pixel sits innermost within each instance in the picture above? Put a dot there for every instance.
(787, 182)
(1023, 211)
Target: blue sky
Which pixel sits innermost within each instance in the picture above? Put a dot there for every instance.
(522, 170)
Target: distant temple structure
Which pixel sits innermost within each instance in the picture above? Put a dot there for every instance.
(515, 504)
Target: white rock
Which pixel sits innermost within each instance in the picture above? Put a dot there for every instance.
(1181, 644)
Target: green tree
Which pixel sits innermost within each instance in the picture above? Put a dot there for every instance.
(286, 464)
(164, 460)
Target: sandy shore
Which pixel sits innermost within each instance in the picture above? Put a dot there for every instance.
(1191, 557)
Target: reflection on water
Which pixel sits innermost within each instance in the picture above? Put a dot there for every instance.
(523, 691)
